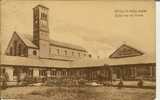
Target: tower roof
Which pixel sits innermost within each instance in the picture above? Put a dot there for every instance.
(40, 6)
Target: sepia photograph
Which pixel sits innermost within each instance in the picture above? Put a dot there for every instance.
(77, 50)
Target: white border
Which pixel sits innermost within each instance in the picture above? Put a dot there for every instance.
(158, 50)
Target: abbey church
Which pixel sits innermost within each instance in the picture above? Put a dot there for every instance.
(41, 57)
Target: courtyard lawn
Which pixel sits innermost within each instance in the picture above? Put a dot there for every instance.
(78, 93)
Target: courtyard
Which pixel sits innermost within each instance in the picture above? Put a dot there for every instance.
(77, 93)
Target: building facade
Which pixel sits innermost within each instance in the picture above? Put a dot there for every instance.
(40, 57)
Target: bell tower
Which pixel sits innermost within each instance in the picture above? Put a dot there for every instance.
(41, 30)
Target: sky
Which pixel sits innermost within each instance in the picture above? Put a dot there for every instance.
(90, 24)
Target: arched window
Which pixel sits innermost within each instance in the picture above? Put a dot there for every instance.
(10, 52)
(43, 16)
(19, 50)
(15, 48)
(24, 51)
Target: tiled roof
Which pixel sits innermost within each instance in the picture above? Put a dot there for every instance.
(32, 62)
(27, 38)
(82, 63)
(144, 59)
(66, 45)
(88, 62)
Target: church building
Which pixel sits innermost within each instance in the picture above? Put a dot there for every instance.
(38, 56)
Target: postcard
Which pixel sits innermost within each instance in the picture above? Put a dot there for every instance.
(77, 50)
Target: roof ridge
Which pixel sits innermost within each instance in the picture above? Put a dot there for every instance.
(26, 40)
(68, 45)
(29, 37)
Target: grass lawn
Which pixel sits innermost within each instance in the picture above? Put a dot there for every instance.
(78, 93)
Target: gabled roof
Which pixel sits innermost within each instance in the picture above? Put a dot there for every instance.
(81, 63)
(41, 6)
(67, 45)
(27, 40)
(90, 62)
(125, 51)
(143, 59)
(133, 58)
